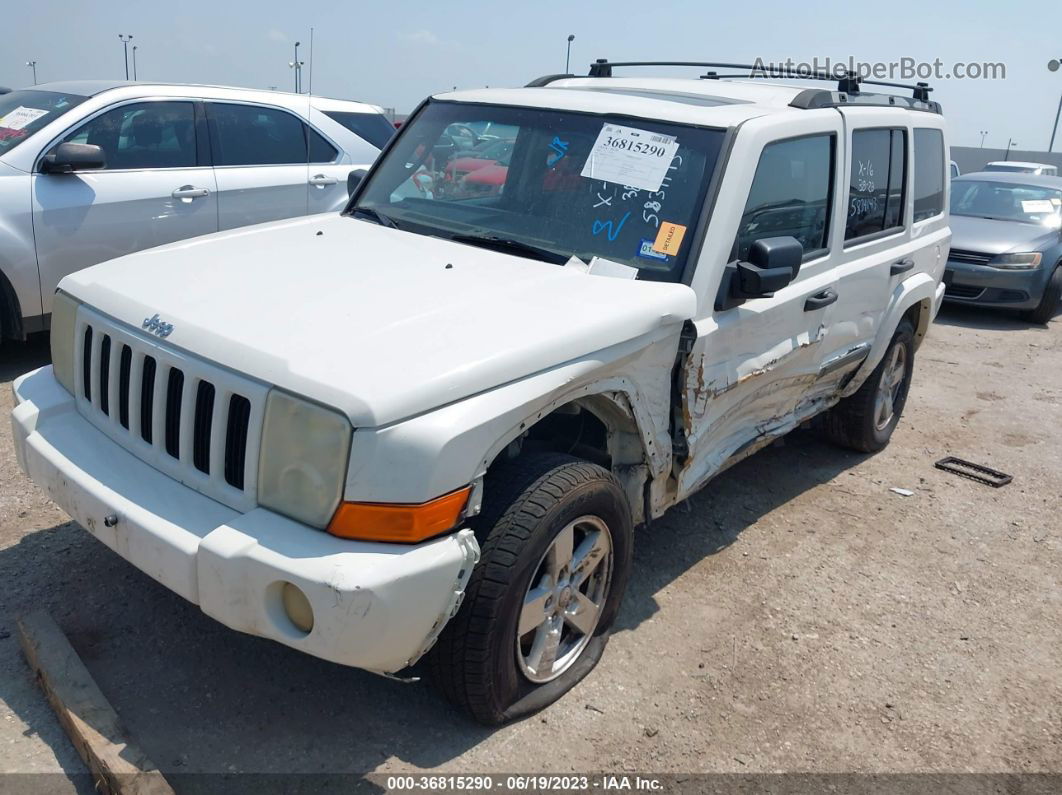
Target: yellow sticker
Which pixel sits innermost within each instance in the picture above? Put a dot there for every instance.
(669, 238)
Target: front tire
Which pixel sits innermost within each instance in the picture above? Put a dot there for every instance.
(1050, 301)
(865, 420)
(556, 537)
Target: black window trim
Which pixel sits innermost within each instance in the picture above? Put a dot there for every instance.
(945, 174)
(209, 102)
(881, 234)
(204, 146)
(309, 128)
(824, 251)
(99, 112)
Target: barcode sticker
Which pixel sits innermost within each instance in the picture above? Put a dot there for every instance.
(631, 157)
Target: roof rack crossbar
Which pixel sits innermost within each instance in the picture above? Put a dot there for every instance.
(847, 82)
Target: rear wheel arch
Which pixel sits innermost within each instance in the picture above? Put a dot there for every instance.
(915, 309)
(920, 316)
(865, 420)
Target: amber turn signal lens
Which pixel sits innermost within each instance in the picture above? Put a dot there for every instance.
(402, 523)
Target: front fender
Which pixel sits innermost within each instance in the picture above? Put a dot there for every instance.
(442, 450)
(920, 288)
(18, 256)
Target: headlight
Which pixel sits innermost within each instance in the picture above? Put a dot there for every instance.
(64, 312)
(303, 461)
(1030, 259)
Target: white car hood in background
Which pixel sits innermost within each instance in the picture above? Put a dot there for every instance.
(372, 320)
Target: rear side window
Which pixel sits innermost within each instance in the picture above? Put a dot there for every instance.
(876, 189)
(790, 195)
(142, 135)
(373, 127)
(320, 150)
(249, 135)
(928, 174)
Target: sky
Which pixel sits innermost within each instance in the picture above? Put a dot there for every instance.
(397, 52)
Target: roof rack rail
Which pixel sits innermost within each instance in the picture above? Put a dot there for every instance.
(848, 90)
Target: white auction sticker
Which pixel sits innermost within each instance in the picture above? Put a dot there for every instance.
(629, 156)
(21, 117)
(1037, 206)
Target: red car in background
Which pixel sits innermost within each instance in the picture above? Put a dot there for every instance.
(486, 180)
(486, 165)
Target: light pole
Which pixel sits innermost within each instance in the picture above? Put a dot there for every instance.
(1053, 65)
(568, 57)
(33, 65)
(134, 62)
(983, 134)
(125, 50)
(297, 66)
(1010, 142)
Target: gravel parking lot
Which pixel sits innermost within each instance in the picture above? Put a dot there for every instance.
(796, 615)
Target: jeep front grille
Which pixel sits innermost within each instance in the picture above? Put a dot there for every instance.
(193, 420)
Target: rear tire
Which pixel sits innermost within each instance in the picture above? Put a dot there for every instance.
(865, 420)
(556, 540)
(1050, 301)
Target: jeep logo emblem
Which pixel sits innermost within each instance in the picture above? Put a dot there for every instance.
(156, 326)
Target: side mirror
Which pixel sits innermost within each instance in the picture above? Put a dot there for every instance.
(69, 157)
(354, 179)
(772, 264)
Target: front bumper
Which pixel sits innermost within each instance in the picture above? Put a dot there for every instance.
(375, 606)
(994, 287)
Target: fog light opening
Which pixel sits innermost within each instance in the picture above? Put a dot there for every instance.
(297, 607)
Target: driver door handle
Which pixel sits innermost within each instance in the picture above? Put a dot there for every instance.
(322, 180)
(819, 300)
(189, 192)
(902, 266)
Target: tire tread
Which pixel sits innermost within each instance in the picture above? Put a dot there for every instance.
(516, 498)
(850, 423)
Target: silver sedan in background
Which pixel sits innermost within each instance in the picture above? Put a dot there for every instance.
(1006, 245)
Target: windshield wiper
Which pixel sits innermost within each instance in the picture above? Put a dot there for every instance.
(375, 215)
(513, 246)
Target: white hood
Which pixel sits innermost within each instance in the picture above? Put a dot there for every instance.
(372, 320)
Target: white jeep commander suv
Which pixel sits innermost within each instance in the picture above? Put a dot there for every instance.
(429, 424)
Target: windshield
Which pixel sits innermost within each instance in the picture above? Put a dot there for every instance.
(1004, 201)
(22, 113)
(561, 183)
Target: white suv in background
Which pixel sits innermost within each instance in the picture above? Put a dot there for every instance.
(91, 170)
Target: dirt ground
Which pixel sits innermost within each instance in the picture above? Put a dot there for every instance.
(796, 615)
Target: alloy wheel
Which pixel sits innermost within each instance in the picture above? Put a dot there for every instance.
(564, 600)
